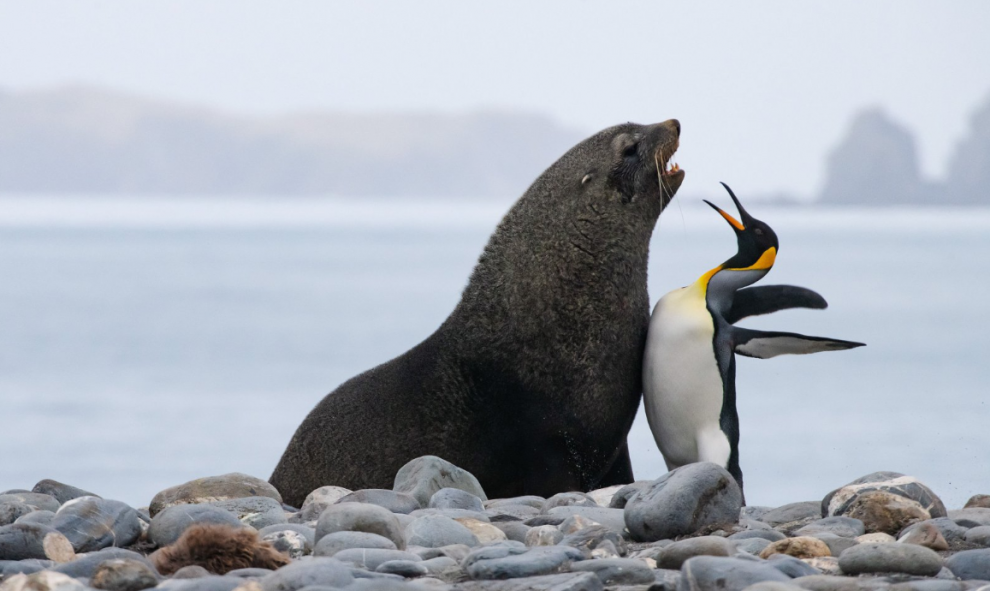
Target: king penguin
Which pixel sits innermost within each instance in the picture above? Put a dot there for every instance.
(689, 366)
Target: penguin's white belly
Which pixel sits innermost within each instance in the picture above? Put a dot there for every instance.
(682, 385)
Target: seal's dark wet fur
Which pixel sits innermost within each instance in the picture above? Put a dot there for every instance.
(533, 381)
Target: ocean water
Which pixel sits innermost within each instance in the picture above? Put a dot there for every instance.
(144, 343)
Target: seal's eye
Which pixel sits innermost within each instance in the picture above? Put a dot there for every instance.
(631, 151)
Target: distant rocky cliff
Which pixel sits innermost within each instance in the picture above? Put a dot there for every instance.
(81, 140)
(877, 164)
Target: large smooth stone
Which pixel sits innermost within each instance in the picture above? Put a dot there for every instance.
(395, 502)
(970, 518)
(533, 501)
(360, 517)
(92, 523)
(617, 571)
(63, 493)
(37, 517)
(424, 476)
(614, 519)
(890, 558)
(838, 501)
(562, 582)
(86, 565)
(303, 573)
(434, 531)
(883, 512)
(211, 489)
(674, 555)
(42, 581)
(122, 574)
(846, 527)
(335, 542)
(256, 512)
(455, 498)
(320, 499)
(682, 502)
(792, 515)
(799, 547)
(970, 564)
(542, 560)
(370, 558)
(38, 501)
(168, 525)
(717, 573)
(20, 541)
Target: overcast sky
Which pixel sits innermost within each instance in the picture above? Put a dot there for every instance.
(762, 89)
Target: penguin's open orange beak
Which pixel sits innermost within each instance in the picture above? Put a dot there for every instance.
(732, 221)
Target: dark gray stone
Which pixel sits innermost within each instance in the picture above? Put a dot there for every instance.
(545, 520)
(622, 496)
(770, 535)
(312, 571)
(86, 565)
(330, 544)
(11, 511)
(360, 517)
(970, 518)
(38, 517)
(979, 535)
(791, 566)
(92, 523)
(168, 525)
(617, 571)
(395, 502)
(37, 501)
(513, 530)
(846, 527)
(561, 582)
(63, 493)
(434, 531)
(674, 555)
(424, 476)
(568, 499)
(256, 512)
(682, 502)
(542, 560)
(614, 519)
(793, 513)
(890, 558)
(455, 498)
(370, 558)
(213, 488)
(403, 568)
(717, 573)
(970, 564)
(124, 574)
(838, 501)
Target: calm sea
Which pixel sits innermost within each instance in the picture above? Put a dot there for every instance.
(146, 343)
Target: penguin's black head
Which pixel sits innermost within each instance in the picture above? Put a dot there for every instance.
(757, 241)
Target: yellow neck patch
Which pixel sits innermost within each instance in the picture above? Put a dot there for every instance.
(765, 261)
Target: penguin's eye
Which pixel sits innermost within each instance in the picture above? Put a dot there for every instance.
(631, 151)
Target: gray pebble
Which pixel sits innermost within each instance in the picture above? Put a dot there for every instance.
(92, 523)
(360, 517)
(38, 501)
(249, 573)
(433, 531)
(622, 496)
(38, 517)
(124, 574)
(370, 558)
(674, 555)
(541, 560)
(11, 511)
(395, 502)
(528, 500)
(561, 582)
(63, 493)
(970, 564)
(213, 488)
(717, 573)
(403, 568)
(511, 512)
(168, 524)
(890, 558)
(794, 514)
(87, 564)
(8, 568)
(969, 518)
(771, 535)
(613, 519)
(313, 571)
(455, 498)
(617, 571)
(979, 535)
(752, 546)
(846, 527)
(256, 512)
(836, 544)
(318, 500)
(568, 499)
(513, 530)
(424, 476)
(332, 543)
(791, 566)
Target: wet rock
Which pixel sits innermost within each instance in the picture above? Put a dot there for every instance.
(42, 581)
(978, 502)
(424, 476)
(875, 538)
(622, 496)
(403, 568)
(617, 571)
(11, 511)
(792, 516)
(513, 530)
(838, 501)
(682, 502)
(86, 565)
(485, 532)
(360, 517)
(884, 512)
(389, 499)
(20, 541)
(37, 517)
(121, 574)
(970, 518)
(717, 573)
(927, 535)
(455, 498)
(846, 527)
(543, 535)
(512, 564)
(314, 571)
(211, 489)
(561, 582)
(978, 535)
(799, 547)
(970, 564)
(674, 555)
(613, 519)
(568, 499)
(168, 524)
(291, 543)
(434, 531)
(320, 499)
(63, 493)
(256, 512)
(791, 566)
(836, 544)
(332, 543)
(770, 535)
(890, 558)
(370, 558)
(92, 523)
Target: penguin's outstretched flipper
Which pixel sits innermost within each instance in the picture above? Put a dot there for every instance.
(764, 345)
(766, 299)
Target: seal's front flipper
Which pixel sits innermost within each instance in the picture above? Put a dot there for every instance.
(764, 345)
(766, 299)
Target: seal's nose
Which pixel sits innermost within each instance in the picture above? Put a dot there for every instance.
(674, 125)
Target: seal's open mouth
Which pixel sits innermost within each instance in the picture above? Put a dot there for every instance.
(664, 156)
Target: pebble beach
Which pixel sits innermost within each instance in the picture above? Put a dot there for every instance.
(436, 529)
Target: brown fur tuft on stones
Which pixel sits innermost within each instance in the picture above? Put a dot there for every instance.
(219, 549)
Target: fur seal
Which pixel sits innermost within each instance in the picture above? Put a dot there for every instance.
(533, 381)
